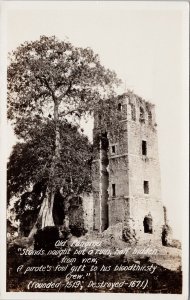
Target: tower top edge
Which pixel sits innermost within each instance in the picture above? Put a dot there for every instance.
(131, 98)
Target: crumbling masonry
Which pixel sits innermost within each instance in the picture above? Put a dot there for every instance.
(126, 173)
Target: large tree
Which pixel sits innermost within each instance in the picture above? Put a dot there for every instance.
(29, 167)
(52, 78)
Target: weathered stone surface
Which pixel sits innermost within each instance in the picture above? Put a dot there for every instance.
(114, 231)
(167, 238)
(133, 189)
(88, 211)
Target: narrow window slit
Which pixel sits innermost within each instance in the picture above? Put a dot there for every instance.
(146, 187)
(113, 190)
(144, 148)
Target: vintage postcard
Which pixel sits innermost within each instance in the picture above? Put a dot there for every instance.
(94, 149)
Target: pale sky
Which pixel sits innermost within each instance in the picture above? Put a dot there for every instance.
(147, 47)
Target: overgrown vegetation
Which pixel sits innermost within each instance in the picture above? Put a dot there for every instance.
(52, 83)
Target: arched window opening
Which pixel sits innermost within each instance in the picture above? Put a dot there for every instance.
(119, 107)
(113, 149)
(148, 224)
(142, 115)
(133, 112)
(104, 142)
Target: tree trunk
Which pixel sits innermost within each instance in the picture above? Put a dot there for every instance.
(45, 216)
(66, 221)
(45, 213)
(57, 132)
(66, 209)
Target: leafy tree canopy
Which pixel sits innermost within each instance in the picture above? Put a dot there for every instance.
(30, 161)
(48, 74)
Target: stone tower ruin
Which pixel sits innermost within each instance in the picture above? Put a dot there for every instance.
(126, 172)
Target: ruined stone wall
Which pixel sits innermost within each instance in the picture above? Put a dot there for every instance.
(81, 214)
(76, 220)
(100, 182)
(144, 168)
(128, 169)
(96, 193)
(119, 210)
(140, 207)
(118, 175)
(87, 200)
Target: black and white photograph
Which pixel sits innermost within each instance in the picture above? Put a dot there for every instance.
(94, 149)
